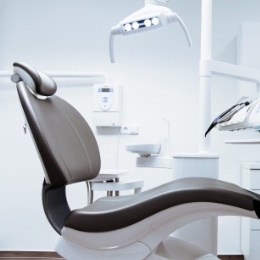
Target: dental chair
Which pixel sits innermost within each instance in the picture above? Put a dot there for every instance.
(137, 226)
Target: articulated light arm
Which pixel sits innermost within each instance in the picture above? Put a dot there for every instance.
(175, 17)
(114, 31)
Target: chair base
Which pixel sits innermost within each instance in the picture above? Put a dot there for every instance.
(146, 239)
(171, 248)
(174, 248)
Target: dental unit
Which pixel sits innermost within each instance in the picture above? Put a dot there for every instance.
(135, 226)
(152, 16)
(138, 226)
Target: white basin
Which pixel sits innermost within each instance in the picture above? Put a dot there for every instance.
(144, 150)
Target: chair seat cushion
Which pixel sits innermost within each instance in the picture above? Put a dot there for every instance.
(112, 213)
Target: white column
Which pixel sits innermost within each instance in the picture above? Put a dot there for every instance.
(205, 76)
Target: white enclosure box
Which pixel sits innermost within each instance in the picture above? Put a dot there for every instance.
(247, 54)
(202, 233)
(250, 228)
(107, 102)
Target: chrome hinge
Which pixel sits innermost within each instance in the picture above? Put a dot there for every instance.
(25, 127)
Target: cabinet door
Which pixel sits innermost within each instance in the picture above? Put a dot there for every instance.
(254, 245)
(255, 179)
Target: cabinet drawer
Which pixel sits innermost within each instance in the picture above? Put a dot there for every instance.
(255, 224)
(254, 246)
(255, 179)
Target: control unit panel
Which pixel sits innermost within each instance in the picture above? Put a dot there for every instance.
(107, 105)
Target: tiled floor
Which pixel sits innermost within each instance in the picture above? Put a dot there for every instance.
(54, 256)
(233, 257)
(29, 255)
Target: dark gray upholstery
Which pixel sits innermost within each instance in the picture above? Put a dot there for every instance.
(66, 144)
(69, 153)
(38, 82)
(128, 210)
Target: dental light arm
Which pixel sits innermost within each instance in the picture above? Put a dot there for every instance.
(148, 18)
(175, 17)
(114, 31)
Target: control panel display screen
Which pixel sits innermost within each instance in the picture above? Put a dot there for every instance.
(105, 90)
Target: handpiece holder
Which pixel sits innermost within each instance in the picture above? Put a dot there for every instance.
(150, 17)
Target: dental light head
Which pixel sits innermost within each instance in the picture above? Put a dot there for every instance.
(151, 17)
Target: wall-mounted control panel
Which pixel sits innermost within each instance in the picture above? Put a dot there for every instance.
(107, 101)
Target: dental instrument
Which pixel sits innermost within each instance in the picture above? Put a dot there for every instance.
(231, 113)
(151, 16)
(226, 115)
(127, 227)
(216, 120)
(243, 115)
(246, 118)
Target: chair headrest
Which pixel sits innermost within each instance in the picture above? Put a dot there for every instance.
(38, 82)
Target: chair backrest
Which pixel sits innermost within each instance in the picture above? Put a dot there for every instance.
(65, 142)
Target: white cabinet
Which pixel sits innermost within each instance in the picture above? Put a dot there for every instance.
(247, 54)
(250, 228)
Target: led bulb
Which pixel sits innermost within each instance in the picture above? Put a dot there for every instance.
(147, 23)
(155, 21)
(135, 25)
(127, 27)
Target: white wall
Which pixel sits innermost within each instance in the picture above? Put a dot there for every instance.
(159, 76)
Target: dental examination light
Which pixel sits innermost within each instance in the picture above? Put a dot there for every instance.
(152, 16)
